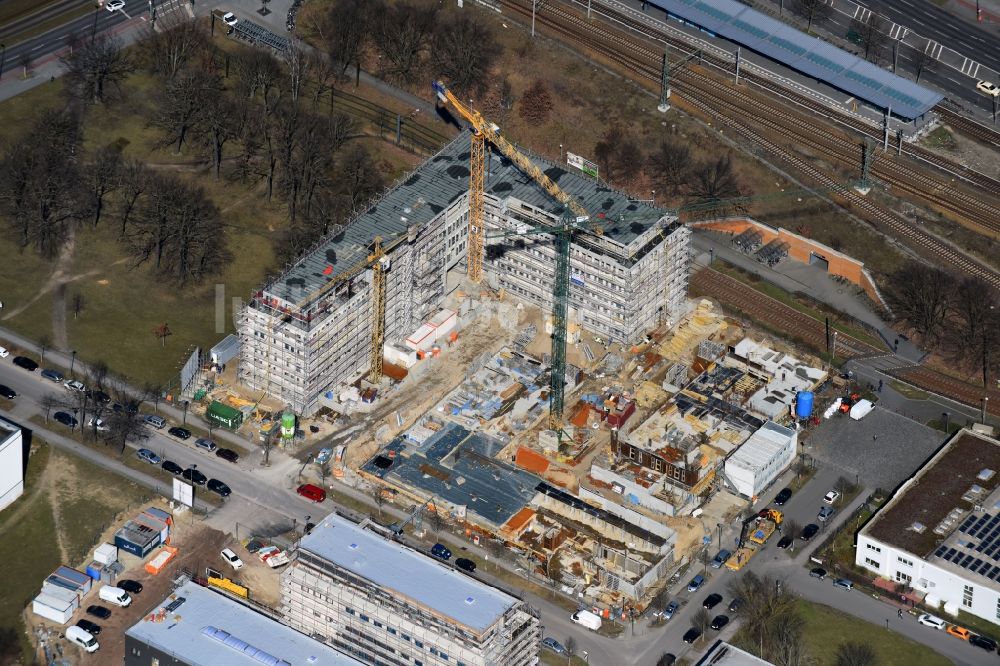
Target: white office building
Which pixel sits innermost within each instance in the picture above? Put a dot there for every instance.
(761, 459)
(389, 605)
(940, 532)
(11, 463)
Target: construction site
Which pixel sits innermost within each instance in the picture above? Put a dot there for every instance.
(512, 349)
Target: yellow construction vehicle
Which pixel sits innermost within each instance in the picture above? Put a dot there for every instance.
(757, 529)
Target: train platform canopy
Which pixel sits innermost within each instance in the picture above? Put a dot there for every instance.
(761, 33)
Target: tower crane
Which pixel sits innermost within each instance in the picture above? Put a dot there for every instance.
(574, 218)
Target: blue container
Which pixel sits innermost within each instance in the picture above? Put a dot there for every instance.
(94, 570)
(804, 404)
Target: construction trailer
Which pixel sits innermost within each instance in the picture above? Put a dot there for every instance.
(309, 331)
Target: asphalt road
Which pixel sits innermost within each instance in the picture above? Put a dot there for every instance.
(52, 41)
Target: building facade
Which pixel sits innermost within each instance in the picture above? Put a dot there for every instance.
(760, 459)
(939, 534)
(11, 463)
(388, 605)
(309, 330)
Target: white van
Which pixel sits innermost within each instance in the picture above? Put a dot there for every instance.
(590, 620)
(82, 638)
(115, 595)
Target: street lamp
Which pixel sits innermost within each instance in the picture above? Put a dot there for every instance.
(986, 399)
(719, 528)
(72, 359)
(186, 403)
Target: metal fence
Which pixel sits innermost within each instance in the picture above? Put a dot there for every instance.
(404, 132)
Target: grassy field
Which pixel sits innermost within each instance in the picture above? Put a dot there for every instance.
(826, 629)
(908, 391)
(67, 502)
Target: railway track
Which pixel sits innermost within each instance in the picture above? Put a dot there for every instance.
(949, 387)
(734, 294)
(987, 135)
(704, 97)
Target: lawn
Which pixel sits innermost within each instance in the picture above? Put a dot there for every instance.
(825, 629)
(908, 391)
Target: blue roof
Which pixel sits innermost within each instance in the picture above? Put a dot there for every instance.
(811, 56)
(403, 572)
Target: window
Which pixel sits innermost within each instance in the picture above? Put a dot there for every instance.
(155, 661)
(392, 631)
(378, 624)
(903, 560)
(873, 547)
(998, 609)
(418, 643)
(364, 618)
(444, 656)
(405, 637)
(350, 611)
(872, 563)
(903, 578)
(967, 596)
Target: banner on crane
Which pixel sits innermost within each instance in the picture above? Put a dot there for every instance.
(582, 164)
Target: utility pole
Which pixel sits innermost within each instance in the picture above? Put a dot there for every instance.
(899, 142)
(895, 55)
(737, 65)
(864, 186)
(534, 9)
(885, 130)
(986, 399)
(3, 58)
(664, 105)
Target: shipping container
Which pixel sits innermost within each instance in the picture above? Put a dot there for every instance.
(48, 608)
(224, 415)
(106, 553)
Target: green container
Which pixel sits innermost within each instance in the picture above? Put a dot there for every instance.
(200, 394)
(223, 415)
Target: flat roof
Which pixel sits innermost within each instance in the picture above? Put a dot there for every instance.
(439, 182)
(759, 450)
(203, 627)
(726, 654)
(918, 518)
(8, 427)
(407, 573)
(811, 56)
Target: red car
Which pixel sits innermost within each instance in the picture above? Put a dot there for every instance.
(311, 492)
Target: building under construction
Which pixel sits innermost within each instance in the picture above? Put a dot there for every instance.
(310, 330)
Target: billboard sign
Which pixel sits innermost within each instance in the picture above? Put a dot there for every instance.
(190, 370)
(183, 493)
(582, 164)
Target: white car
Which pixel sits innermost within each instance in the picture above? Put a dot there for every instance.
(115, 5)
(831, 497)
(74, 385)
(100, 424)
(991, 89)
(4, 353)
(234, 560)
(931, 621)
(229, 18)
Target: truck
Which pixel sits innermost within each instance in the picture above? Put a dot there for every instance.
(589, 620)
(767, 522)
(756, 531)
(272, 556)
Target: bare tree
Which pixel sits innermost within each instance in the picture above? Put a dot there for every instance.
(126, 426)
(670, 164)
(813, 11)
(922, 62)
(973, 329)
(403, 33)
(44, 343)
(181, 105)
(873, 35)
(298, 62)
(715, 181)
(570, 645)
(465, 50)
(258, 73)
(153, 391)
(95, 67)
(349, 30)
(162, 331)
(51, 401)
(436, 520)
(97, 374)
(378, 496)
(175, 43)
(666, 659)
(855, 653)
(26, 60)
(220, 124)
(919, 296)
(536, 103)
(77, 303)
(102, 176)
(133, 181)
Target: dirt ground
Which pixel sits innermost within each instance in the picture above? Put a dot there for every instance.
(966, 151)
(199, 548)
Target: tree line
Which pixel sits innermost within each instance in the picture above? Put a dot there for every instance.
(958, 317)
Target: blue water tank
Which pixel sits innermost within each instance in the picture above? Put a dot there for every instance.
(804, 404)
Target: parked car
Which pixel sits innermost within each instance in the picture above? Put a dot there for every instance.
(98, 424)
(219, 488)
(84, 639)
(4, 353)
(958, 632)
(311, 492)
(99, 611)
(843, 583)
(179, 433)
(988, 88)
(696, 583)
(984, 642)
(553, 644)
(712, 600)
(825, 512)
(66, 419)
(149, 456)
(735, 604)
(99, 396)
(720, 558)
(194, 476)
(440, 550)
(130, 586)
(785, 541)
(831, 497)
(7, 392)
(53, 375)
(692, 634)
(232, 558)
(809, 531)
(74, 385)
(157, 422)
(26, 363)
(227, 454)
(115, 5)
(206, 444)
(818, 572)
(90, 627)
(719, 621)
(230, 19)
(669, 610)
(465, 564)
(932, 621)
(172, 467)
(782, 497)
